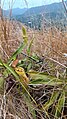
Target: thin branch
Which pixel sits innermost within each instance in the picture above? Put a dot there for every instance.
(65, 7)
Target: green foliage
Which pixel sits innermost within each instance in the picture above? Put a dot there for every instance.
(43, 78)
(57, 98)
(35, 57)
(9, 68)
(24, 35)
(60, 104)
(19, 50)
(1, 63)
(24, 32)
(29, 47)
(53, 98)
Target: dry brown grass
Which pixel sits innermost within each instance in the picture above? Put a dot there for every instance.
(10, 37)
(51, 42)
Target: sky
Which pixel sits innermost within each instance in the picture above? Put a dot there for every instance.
(5, 4)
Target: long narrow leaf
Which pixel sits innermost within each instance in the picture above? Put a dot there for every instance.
(60, 104)
(51, 100)
(1, 63)
(11, 70)
(18, 51)
(25, 37)
(29, 47)
(24, 31)
(42, 78)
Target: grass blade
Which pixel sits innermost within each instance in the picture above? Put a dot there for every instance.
(42, 78)
(25, 37)
(29, 47)
(1, 63)
(51, 100)
(11, 70)
(60, 104)
(18, 51)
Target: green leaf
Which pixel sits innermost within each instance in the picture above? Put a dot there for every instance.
(29, 47)
(25, 37)
(60, 104)
(6, 73)
(29, 67)
(1, 63)
(24, 31)
(51, 100)
(11, 70)
(43, 78)
(18, 51)
(35, 57)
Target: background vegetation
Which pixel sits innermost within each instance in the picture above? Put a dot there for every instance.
(42, 53)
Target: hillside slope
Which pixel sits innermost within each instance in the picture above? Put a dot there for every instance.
(33, 17)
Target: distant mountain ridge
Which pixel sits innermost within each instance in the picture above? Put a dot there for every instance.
(15, 11)
(54, 7)
(33, 16)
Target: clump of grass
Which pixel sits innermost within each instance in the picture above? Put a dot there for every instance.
(43, 62)
(46, 93)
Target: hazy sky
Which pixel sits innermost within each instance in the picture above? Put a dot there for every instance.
(22, 3)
